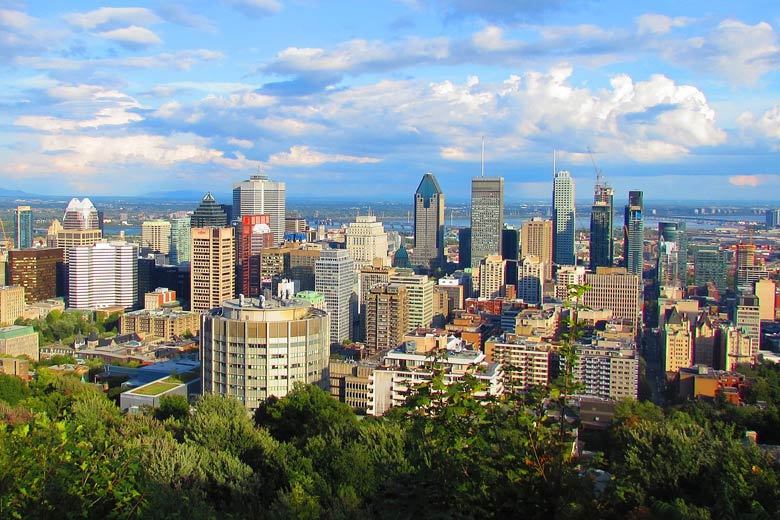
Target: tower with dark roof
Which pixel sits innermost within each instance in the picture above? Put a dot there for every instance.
(208, 214)
(428, 223)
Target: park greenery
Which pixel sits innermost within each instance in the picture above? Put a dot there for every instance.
(63, 327)
(66, 450)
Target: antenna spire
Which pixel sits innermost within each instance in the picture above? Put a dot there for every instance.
(483, 156)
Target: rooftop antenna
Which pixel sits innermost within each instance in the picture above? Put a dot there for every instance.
(483, 156)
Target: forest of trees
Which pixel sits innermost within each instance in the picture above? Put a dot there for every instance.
(66, 450)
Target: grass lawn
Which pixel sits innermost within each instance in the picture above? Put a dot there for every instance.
(157, 388)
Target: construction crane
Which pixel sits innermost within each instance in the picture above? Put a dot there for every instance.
(599, 176)
(5, 244)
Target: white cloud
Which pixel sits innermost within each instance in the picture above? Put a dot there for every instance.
(491, 38)
(659, 24)
(182, 60)
(303, 156)
(132, 37)
(112, 15)
(745, 180)
(243, 143)
(14, 19)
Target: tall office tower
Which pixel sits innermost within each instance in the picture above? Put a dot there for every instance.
(279, 345)
(37, 271)
(676, 232)
(491, 276)
(667, 270)
(531, 280)
(601, 224)
(420, 289)
(80, 215)
(260, 196)
(256, 235)
(487, 217)
(568, 275)
(748, 315)
(710, 265)
(510, 251)
(23, 227)
(428, 223)
(103, 275)
(537, 240)
(616, 289)
(464, 248)
(563, 219)
(180, 241)
(678, 341)
(772, 218)
(334, 278)
(367, 241)
(766, 290)
(68, 239)
(209, 214)
(634, 234)
(370, 276)
(386, 316)
(156, 235)
(212, 267)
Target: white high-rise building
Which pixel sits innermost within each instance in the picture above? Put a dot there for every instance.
(491, 276)
(420, 289)
(260, 196)
(334, 278)
(566, 276)
(180, 240)
(103, 275)
(563, 219)
(156, 235)
(531, 280)
(367, 240)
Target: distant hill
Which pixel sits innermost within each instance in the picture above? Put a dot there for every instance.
(223, 198)
(17, 193)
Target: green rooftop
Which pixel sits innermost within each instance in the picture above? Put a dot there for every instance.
(16, 331)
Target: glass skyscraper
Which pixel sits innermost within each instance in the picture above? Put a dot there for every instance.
(487, 217)
(563, 219)
(23, 227)
(428, 223)
(601, 225)
(634, 233)
(260, 196)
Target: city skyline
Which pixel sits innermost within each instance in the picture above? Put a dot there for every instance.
(153, 97)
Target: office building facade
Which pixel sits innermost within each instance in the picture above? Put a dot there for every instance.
(37, 270)
(563, 219)
(212, 266)
(103, 275)
(367, 242)
(156, 236)
(23, 227)
(260, 196)
(179, 249)
(634, 234)
(537, 240)
(334, 278)
(602, 215)
(487, 217)
(209, 214)
(428, 223)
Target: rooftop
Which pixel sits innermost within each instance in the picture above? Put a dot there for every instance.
(16, 331)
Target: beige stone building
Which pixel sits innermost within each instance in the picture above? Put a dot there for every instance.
(11, 304)
(18, 340)
(163, 323)
(536, 238)
(678, 341)
(156, 235)
(212, 265)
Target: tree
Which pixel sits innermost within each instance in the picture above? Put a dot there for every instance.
(176, 406)
(12, 389)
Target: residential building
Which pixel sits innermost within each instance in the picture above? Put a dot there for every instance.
(252, 349)
(212, 267)
(531, 282)
(103, 275)
(487, 217)
(386, 316)
(608, 369)
(23, 227)
(772, 218)
(167, 324)
(428, 223)
(634, 234)
(350, 380)
(739, 347)
(525, 363)
(678, 341)
(420, 289)
(367, 242)
(455, 291)
(156, 236)
(537, 240)
(563, 218)
(566, 276)
(19, 340)
(334, 278)
(39, 271)
(748, 315)
(11, 303)
(491, 277)
(260, 196)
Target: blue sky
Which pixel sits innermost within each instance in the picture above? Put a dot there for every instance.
(346, 99)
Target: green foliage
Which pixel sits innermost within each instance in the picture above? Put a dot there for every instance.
(12, 389)
(175, 406)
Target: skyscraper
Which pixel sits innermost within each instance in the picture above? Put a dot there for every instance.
(616, 289)
(208, 214)
(428, 223)
(156, 235)
(601, 224)
(537, 240)
(180, 241)
(491, 276)
(37, 271)
(23, 227)
(531, 280)
(710, 265)
(634, 234)
(260, 196)
(420, 289)
(510, 251)
(563, 218)
(334, 278)
(367, 241)
(103, 275)
(676, 232)
(80, 215)
(255, 236)
(387, 320)
(487, 217)
(212, 265)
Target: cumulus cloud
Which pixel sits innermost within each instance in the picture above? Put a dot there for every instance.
(303, 156)
(133, 37)
(660, 24)
(243, 143)
(745, 180)
(112, 16)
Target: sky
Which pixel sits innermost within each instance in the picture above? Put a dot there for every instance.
(360, 99)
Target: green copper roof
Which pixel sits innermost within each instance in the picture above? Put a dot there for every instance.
(428, 187)
(15, 331)
(312, 297)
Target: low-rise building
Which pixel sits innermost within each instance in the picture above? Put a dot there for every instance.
(19, 340)
(19, 367)
(162, 323)
(11, 304)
